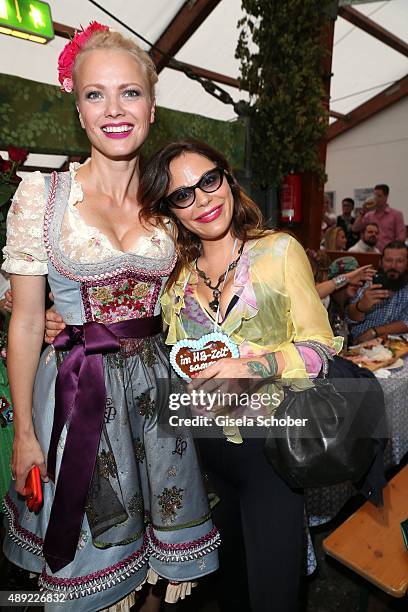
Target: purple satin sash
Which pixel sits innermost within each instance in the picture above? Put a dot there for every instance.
(80, 399)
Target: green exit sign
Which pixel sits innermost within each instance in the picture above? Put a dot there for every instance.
(27, 19)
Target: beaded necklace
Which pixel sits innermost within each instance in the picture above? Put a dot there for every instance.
(214, 304)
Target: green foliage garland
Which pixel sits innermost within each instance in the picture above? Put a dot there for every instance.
(284, 77)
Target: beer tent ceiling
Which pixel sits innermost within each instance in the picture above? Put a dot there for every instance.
(362, 65)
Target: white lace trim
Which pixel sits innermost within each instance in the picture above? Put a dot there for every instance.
(174, 592)
(25, 252)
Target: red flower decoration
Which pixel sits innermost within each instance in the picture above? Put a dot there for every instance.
(70, 51)
(17, 155)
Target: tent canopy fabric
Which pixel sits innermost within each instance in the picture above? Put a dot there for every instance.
(362, 65)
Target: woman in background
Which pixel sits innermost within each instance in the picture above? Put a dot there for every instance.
(335, 239)
(340, 275)
(345, 268)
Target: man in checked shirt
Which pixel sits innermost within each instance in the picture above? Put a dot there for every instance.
(381, 308)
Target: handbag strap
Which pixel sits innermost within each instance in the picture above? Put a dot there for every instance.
(322, 350)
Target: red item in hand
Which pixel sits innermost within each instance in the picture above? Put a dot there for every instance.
(34, 489)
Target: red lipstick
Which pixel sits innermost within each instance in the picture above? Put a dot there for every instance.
(117, 130)
(211, 215)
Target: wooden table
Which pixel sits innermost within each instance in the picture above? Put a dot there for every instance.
(370, 541)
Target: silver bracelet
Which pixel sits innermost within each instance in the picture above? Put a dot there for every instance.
(340, 281)
(322, 350)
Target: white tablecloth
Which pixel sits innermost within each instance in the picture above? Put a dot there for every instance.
(323, 503)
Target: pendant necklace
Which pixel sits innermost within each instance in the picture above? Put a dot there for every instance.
(189, 356)
(215, 303)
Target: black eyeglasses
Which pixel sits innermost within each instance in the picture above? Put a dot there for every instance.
(185, 196)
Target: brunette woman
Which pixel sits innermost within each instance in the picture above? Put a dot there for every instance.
(257, 288)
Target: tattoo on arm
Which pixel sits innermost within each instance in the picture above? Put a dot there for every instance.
(259, 369)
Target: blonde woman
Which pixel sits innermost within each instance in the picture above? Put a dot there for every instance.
(118, 500)
(335, 239)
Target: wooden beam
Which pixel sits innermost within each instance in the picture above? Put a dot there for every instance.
(339, 115)
(181, 28)
(206, 74)
(65, 31)
(368, 109)
(373, 28)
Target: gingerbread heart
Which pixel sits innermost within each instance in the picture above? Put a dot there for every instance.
(189, 356)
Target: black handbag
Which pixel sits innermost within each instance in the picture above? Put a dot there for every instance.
(345, 415)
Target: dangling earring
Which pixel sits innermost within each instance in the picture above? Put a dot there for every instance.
(80, 119)
(153, 112)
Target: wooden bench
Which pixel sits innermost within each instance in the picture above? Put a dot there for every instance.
(363, 258)
(370, 541)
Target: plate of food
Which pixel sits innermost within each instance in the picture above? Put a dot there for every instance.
(399, 346)
(377, 353)
(396, 365)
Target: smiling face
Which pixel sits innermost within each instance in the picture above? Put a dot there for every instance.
(210, 216)
(113, 101)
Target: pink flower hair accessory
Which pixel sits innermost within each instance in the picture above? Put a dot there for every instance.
(70, 51)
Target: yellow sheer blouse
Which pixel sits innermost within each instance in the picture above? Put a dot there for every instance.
(278, 304)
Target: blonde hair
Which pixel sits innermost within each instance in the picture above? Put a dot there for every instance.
(110, 39)
(330, 238)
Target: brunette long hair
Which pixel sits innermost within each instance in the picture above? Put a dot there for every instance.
(247, 220)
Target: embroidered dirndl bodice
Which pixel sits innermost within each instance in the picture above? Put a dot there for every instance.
(146, 505)
(127, 286)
